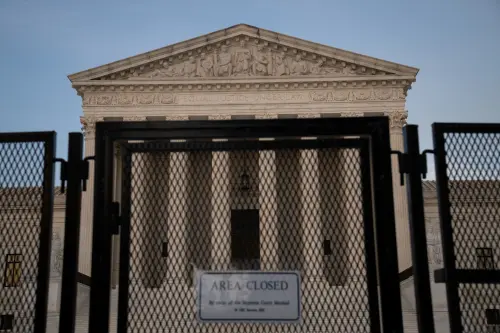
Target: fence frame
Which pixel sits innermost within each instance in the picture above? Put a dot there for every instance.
(450, 275)
(374, 128)
(45, 245)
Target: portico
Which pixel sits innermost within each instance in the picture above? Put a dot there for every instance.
(244, 72)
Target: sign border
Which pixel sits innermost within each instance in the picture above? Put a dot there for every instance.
(243, 320)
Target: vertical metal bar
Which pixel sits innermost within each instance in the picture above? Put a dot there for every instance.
(446, 229)
(42, 290)
(71, 233)
(385, 226)
(124, 241)
(423, 296)
(101, 234)
(368, 223)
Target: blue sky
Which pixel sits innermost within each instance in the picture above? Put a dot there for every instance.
(455, 43)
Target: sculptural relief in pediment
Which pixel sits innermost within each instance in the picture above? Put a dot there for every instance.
(242, 57)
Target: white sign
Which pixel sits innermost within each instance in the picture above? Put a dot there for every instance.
(248, 296)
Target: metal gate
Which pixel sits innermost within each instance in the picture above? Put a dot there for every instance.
(467, 174)
(320, 203)
(26, 200)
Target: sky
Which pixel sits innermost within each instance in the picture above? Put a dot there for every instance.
(454, 43)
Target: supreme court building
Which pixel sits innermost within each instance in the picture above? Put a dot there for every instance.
(241, 72)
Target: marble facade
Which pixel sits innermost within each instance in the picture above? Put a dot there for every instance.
(244, 71)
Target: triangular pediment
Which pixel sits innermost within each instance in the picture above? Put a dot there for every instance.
(240, 52)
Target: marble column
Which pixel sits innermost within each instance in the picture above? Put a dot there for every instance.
(397, 119)
(87, 210)
(351, 210)
(310, 209)
(268, 210)
(117, 190)
(221, 206)
(177, 206)
(138, 185)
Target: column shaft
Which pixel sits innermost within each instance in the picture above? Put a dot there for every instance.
(397, 120)
(87, 210)
(221, 212)
(310, 213)
(268, 210)
(177, 204)
(117, 190)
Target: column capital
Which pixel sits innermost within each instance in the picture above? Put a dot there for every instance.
(219, 117)
(351, 114)
(308, 115)
(176, 117)
(266, 116)
(397, 118)
(117, 150)
(88, 125)
(134, 118)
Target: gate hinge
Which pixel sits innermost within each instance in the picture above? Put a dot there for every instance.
(115, 218)
(406, 164)
(63, 176)
(85, 171)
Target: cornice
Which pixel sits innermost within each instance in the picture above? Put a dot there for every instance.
(243, 83)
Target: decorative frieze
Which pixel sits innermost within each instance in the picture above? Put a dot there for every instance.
(98, 99)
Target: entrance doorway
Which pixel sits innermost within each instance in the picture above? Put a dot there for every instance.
(245, 239)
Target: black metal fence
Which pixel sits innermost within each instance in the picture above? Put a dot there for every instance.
(226, 198)
(468, 184)
(307, 201)
(26, 202)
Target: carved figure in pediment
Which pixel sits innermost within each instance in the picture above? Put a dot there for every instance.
(319, 69)
(205, 66)
(223, 65)
(347, 70)
(190, 67)
(316, 69)
(242, 61)
(298, 66)
(262, 64)
(173, 70)
(280, 67)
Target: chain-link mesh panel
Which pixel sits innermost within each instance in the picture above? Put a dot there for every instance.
(21, 190)
(473, 170)
(257, 209)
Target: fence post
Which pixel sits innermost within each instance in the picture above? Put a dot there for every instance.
(421, 278)
(75, 171)
(446, 229)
